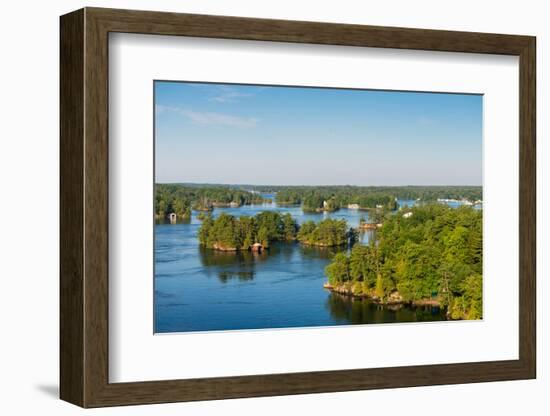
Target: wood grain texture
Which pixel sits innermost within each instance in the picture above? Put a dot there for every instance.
(84, 207)
(527, 208)
(71, 218)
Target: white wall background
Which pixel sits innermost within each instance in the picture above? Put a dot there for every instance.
(29, 182)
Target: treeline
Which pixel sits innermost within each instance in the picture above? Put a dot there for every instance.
(334, 198)
(172, 199)
(346, 193)
(433, 254)
(330, 198)
(230, 233)
(181, 199)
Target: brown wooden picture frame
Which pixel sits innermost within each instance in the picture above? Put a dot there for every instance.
(84, 215)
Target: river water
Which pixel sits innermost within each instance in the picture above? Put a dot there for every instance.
(198, 289)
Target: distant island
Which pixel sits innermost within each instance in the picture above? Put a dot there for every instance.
(181, 199)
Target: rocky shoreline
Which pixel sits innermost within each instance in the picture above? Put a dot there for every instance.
(394, 298)
(256, 247)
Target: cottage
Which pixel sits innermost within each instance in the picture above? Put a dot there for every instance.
(172, 216)
(257, 247)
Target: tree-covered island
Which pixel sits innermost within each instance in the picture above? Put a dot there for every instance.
(429, 254)
(182, 199)
(230, 233)
(331, 198)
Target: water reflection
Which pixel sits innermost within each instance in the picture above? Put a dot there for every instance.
(179, 220)
(241, 275)
(241, 264)
(362, 311)
(229, 265)
(324, 253)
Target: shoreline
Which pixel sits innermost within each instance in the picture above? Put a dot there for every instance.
(255, 247)
(393, 299)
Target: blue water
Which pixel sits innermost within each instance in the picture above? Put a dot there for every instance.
(197, 289)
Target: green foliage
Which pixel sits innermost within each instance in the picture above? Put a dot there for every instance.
(205, 230)
(377, 215)
(202, 216)
(469, 304)
(181, 199)
(312, 198)
(435, 252)
(290, 228)
(329, 232)
(227, 232)
(364, 264)
(313, 201)
(288, 196)
(338, 270)
(379, 289)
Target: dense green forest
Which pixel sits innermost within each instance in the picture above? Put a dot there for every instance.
(231, 233)
(181, 199)
(434, 253)
(327, 233)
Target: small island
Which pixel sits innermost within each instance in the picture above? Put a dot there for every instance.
(230, 233)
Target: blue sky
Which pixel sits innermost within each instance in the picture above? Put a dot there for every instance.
(240, 134)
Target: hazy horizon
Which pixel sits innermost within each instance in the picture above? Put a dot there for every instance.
(294, 136)
(312, 185)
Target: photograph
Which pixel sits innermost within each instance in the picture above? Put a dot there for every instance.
(305, 206)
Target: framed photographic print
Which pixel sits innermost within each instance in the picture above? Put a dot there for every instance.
(255, 207)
